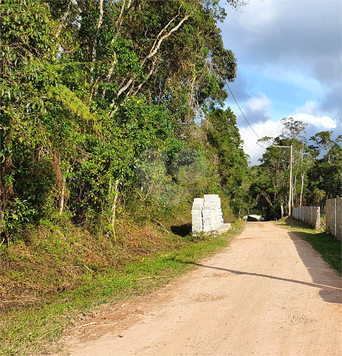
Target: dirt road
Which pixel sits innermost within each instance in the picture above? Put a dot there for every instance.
(269, 293)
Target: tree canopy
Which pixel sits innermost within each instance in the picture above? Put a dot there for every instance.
(90, 87)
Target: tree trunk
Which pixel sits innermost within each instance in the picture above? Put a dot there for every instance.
(61, 202)
(282, 209)
(294, 193)
(115, 201)
(301, 189)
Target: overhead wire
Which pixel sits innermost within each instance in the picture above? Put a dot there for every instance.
(251, 150)
(242, 112)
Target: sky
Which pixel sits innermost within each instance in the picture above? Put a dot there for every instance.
(289, 60)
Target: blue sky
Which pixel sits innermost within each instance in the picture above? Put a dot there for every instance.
(289, 56)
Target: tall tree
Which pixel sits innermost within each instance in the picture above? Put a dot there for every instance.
(326, 172)
(223, 135)
(89, 86)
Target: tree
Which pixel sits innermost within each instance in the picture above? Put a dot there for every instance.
(293, 129)
(324, 141)
(326, 172)
(223, 135)
(89, 86)
(277, 162)
(28, 53)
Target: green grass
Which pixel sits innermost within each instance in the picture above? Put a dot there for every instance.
(322, 242)
(35, 328)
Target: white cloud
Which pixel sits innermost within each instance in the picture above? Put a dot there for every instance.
(269, 128)
(256, 25)
(297, 43)
(289, 53)
(323, 123)
(309, 107)
(302, 34)
(256, 109)
(259, 102)
(310, 114)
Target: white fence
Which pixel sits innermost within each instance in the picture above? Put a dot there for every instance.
(334, 217)
(309, 214)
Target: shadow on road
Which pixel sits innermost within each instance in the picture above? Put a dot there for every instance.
(326, 278)
(329, 293)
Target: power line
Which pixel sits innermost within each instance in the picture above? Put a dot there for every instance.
(242, 112)
(251, 150)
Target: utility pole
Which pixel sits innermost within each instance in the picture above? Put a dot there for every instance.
(291, 182)
(290, 189)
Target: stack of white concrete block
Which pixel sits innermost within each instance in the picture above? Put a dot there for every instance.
(212, 213)
(197, 217)
(207, 213)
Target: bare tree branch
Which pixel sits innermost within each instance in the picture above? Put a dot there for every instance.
(159, 39)
(125, 87)
(122, 90)
(156, 46)
(153, 51)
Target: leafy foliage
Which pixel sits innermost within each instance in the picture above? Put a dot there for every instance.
(101, 103)
(225, 139)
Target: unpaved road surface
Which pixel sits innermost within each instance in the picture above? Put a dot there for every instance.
(269, 293)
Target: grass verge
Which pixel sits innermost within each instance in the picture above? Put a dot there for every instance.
(322, 242)
(35, 325)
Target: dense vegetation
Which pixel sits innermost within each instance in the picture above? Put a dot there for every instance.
(113, 107)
